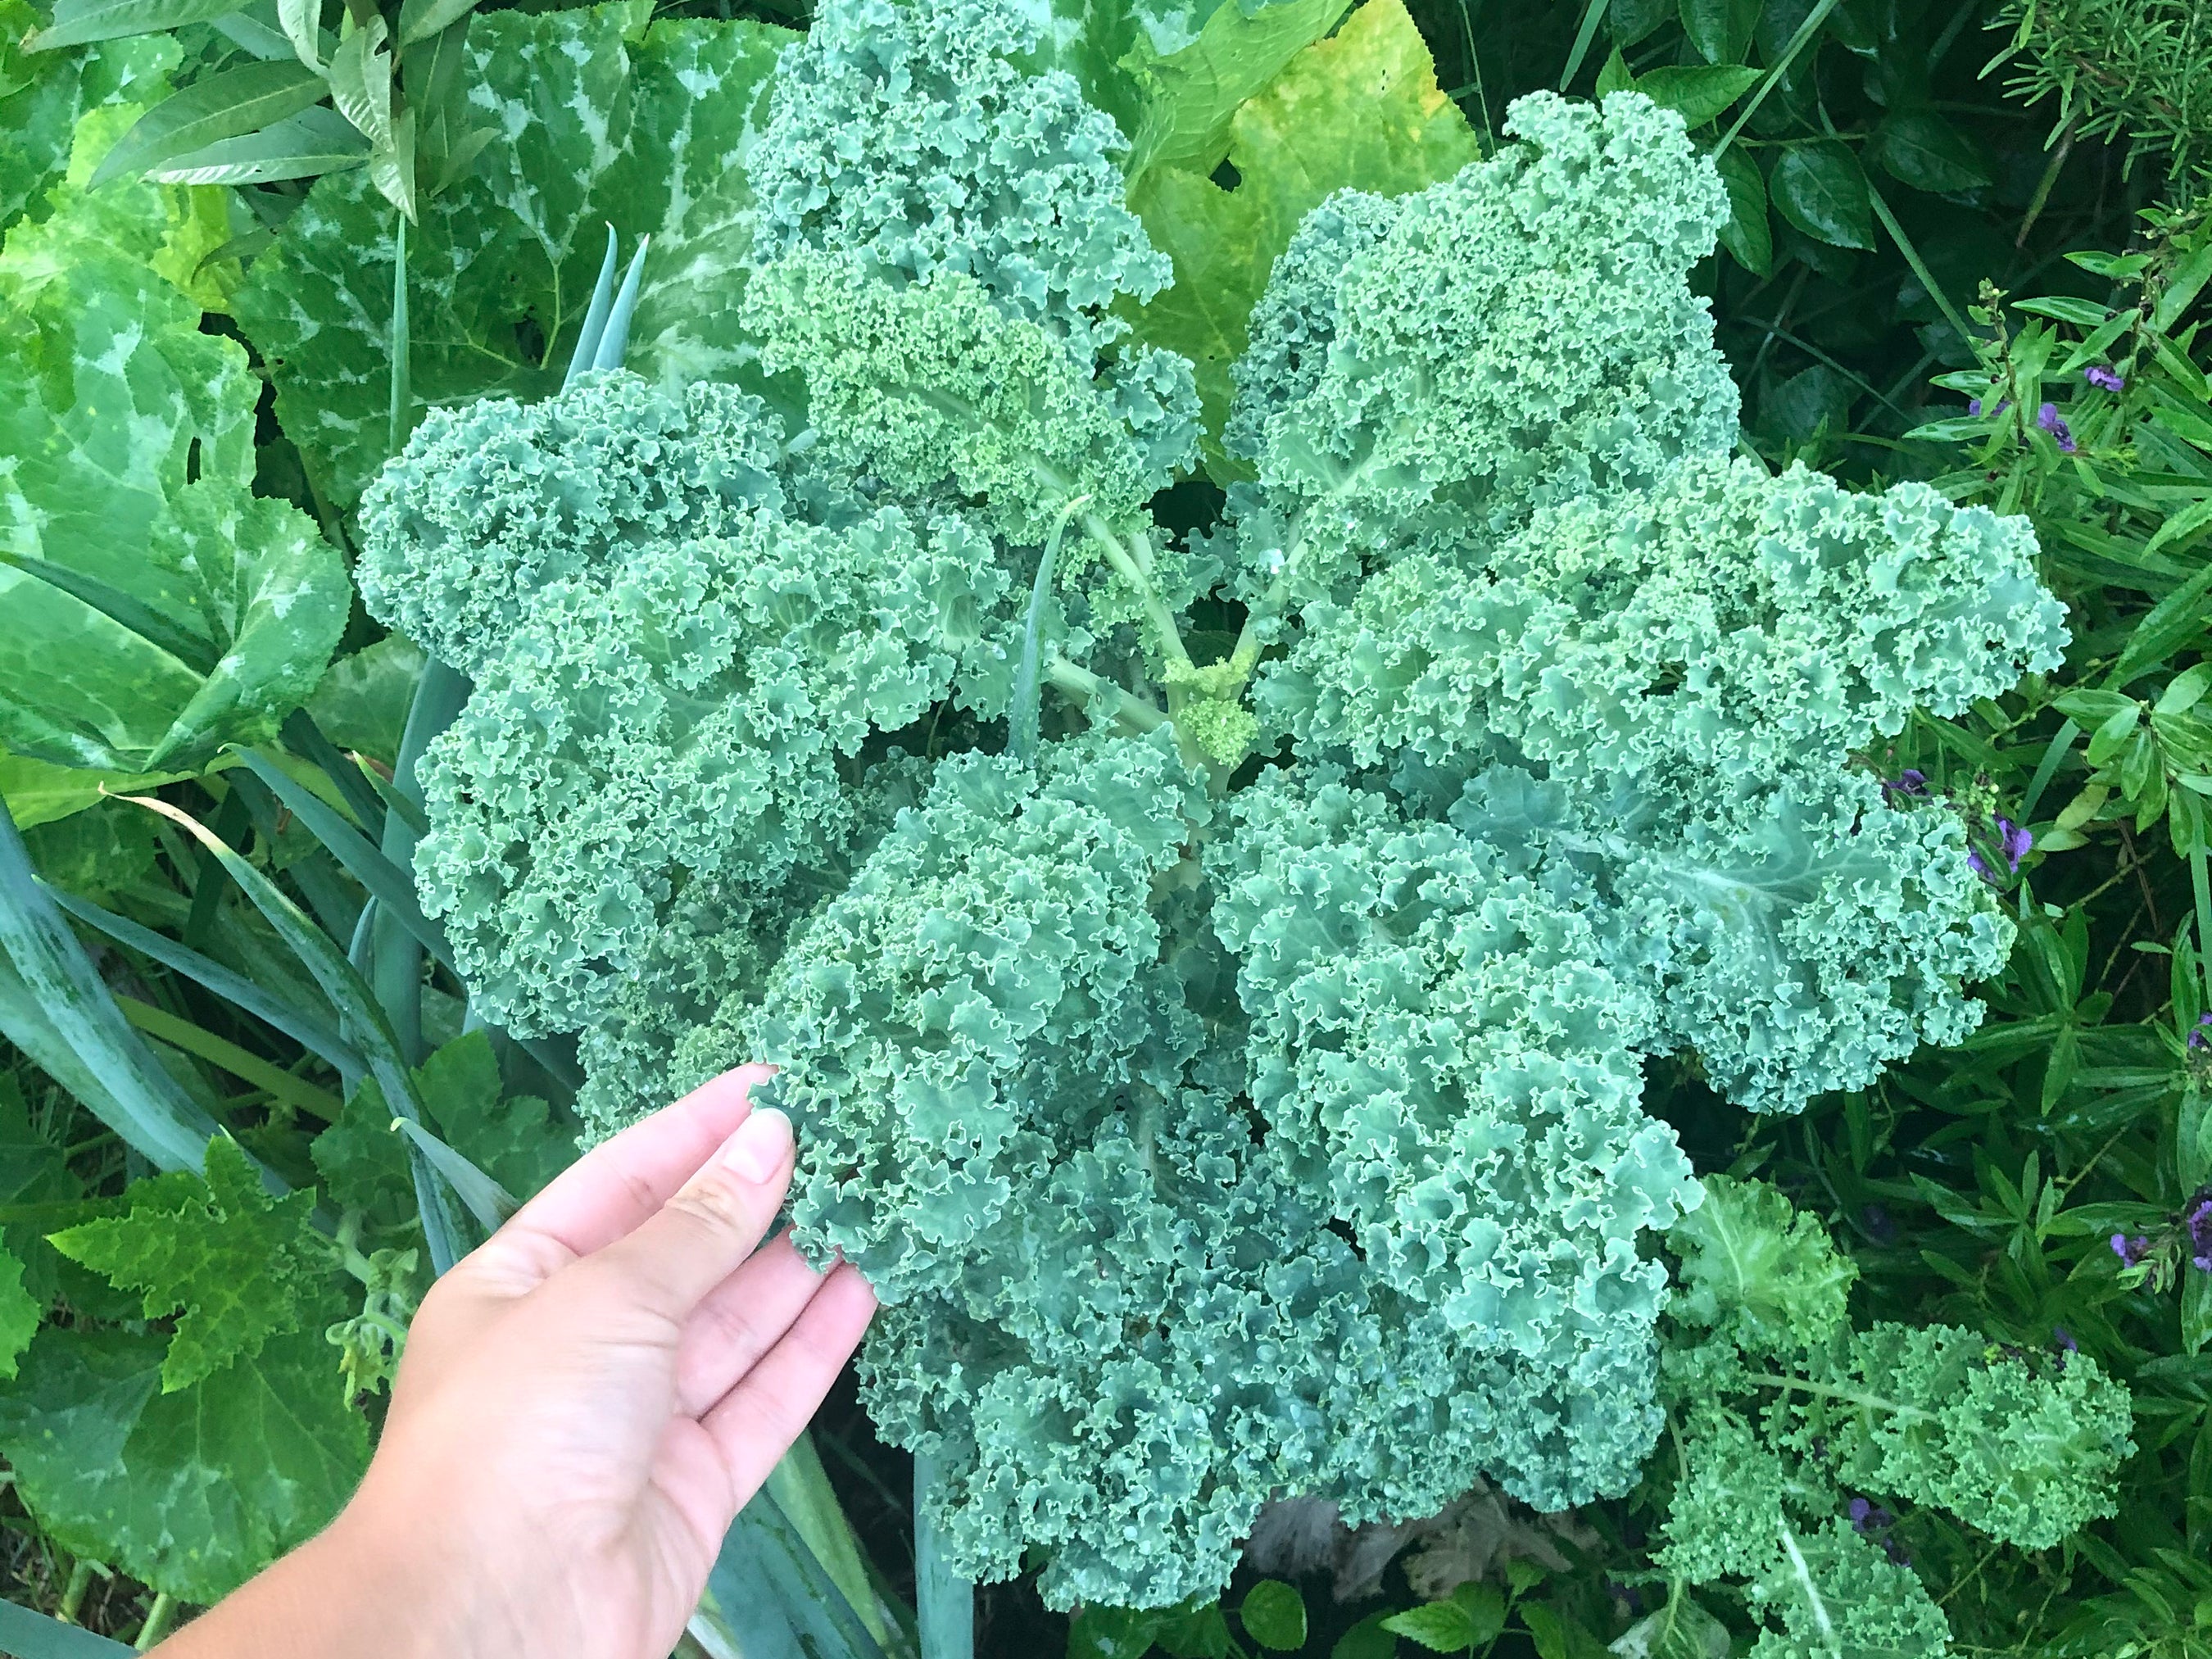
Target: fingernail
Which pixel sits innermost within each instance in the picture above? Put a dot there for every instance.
(758, 1150)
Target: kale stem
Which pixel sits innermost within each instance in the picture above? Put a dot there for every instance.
(1854, 1395)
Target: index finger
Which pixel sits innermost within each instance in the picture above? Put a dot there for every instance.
(609, 1192)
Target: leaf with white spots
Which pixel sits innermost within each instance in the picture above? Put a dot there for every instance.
(591, 129)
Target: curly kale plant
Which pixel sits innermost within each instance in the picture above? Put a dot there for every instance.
(1222, 1050)
(1803, 1449)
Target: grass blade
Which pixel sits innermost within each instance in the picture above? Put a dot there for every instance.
(198, 654)
(330, 969)
(272, 1081)
(767, 1597)
(317, 1037)
(305, 739)
(392, 888)
(402, 338)
(487, 1200)
(137, 1099)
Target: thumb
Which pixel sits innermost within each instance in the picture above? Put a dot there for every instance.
(707, 1228)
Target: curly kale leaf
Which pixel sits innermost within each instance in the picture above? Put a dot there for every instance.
(1756, 1270)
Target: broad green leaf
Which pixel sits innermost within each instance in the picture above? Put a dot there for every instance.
(1721, 30)
(1697, 92)
(594, 131)
(1748, 235)
(362, 704)
(1681, 1629)
(35, 1180)
(223, 105)
(1922, 149)
(1818, 188)
(126, 456)
(1361, 109)
(364, 1162)
(191, 1492)
(95, 853)
(1103, 1633)
(1614, 74)
(76, 21)
(1274, 1615)
(315, 141)
(43, 97)
(1190, 96)
(1631, 20)
(234, 1264)
(1104, 44)
(20, 1313)
(512, 1139)
(1439, 1626)
(1367, 1639)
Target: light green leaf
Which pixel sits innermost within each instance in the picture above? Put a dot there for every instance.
(46, 94)
(1439, 1626)
(1191, 96)
(1681, 1629)
(361, 80)
(1614, 74)
(307, 145)
(126, 456)
(1361, 109)
(1818, 188)
(362, 704)
(301, 20)
(421, 19)
(593, 130)
(1105, 45)
(191, 1492)
(1756, 1270)
(223, 105)
(512, 1139)
(76, 21)
(235, 1265)
(37, 792)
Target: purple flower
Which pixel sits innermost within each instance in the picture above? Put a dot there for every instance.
(2063, 1339)
(2129, 1250)
(1974, 407)
(2196, 1037)
(1867, 1516)
(2197, 1219)
(2014, 841)
(1910, 782)
(2103, 378)
(2048, 418)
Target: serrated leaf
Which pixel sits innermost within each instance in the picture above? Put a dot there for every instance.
(1697, 92)
(194, 1491)
(1748, 236)
(223, 105)
(77, 21)
(1439, 1626)
(1818, 188)
(1921, 148)
(1190, 96)
(235, 1265)
(1274, 1615)
(315, 141)
(512, 1138)
(500, 264)
(1721, 30)
(20, 1313)
(126, 457)
(1361, 109)
(1614, 74)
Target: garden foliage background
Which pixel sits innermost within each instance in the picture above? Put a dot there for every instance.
(1968, 245)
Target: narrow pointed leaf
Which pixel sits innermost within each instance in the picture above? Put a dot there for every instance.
(487, 1200)
(305, 739)
(350, 997)
(421, 19)
(120, 608)
(595, 318)
(303, 146)
(239, 100)
(616, 340)
(392, 888)
(271, 1079)
(360, 81)
(76, 21)
(316, 1035)
(34, 1635)
(301, 20)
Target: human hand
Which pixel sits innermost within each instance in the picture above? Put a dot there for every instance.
(585, 1404)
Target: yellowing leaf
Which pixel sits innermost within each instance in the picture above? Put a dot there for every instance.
(1361, 110)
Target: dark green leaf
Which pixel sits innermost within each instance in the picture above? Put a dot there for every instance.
(29, 1635)
(1614, 74)
(1274, 1615)
(1630, 20)
(1922, 149)
(223, 105)
(1098, 1633)
(1698, 93)
(1721, 30)
(1818, 188)
(1367, 1639)
(1748, 236)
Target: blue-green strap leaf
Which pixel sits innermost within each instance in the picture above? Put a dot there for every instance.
(316, 1035)
(595, 317)
(29, 1635)
(616, 339)
(142, 1102)
(944, 1602)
